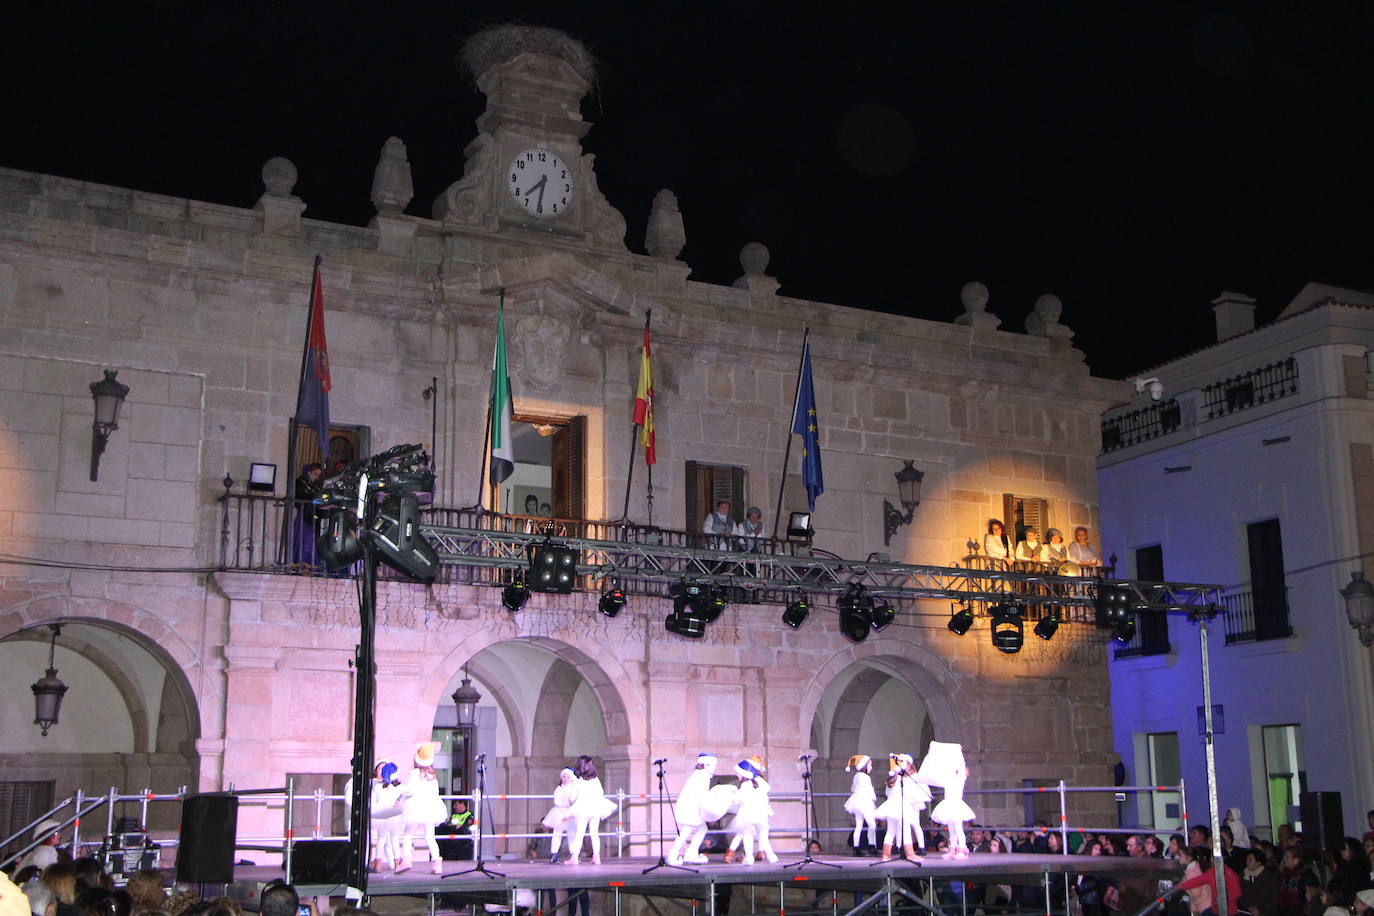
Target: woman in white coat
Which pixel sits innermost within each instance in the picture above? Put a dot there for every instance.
(589, 807)
(557, 818)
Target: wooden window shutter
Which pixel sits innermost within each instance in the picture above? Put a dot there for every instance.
(737, 495)
(695, 513)
(569, 469)
(1020, 512)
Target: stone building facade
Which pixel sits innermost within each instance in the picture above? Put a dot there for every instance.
(186, 673)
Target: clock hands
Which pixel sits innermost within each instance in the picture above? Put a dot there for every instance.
(538, 186)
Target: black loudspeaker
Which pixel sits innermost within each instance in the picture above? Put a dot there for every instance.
(396, 537)
(209, 828)
(1323, 827)
(319, 862)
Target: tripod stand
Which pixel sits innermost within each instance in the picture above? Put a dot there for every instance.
(663, 800)
(481, 866)
(808, 801)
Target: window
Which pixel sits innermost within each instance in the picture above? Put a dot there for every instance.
(1162, 756)
(550, 477)
(346, 445)
(22, 803)
(1284, 770)
(1269, 590)
(708, 484)
(1022, 512)
(1152, 627)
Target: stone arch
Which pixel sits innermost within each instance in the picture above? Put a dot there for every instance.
(554, 709)
(515, 716)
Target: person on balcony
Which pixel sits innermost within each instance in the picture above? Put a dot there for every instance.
(750, 531)
(303, 528)
(719, 527)
(996, 544)
(1081, 550)
(1030, 550)
(1056, 551)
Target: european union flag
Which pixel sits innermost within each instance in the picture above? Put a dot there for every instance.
(806, 424)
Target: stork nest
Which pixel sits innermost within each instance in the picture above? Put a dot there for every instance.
(499, 44)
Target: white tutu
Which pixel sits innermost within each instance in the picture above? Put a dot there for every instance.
(951, 811)
(861, 805)
(719, 801)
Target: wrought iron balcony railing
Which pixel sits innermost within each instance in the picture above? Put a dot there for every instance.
(1253, 616)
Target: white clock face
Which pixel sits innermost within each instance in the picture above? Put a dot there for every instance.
(541, 183)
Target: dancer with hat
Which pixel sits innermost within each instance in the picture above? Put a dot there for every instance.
(422, 808)
(386, 810)
(862, 801)
(751, 820)
(687, 810)
(557, 818)
(906, 798)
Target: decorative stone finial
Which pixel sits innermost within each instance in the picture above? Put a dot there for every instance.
(974, 295)
(279, 176)
(391, 184)
(753, 257)
(665, 237)
(1045, 316)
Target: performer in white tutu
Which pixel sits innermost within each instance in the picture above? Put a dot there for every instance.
(906, 798)
(422, 808)
(589, 808)
(862, 801)
(751, 819)
(691, 821)
(557, 818)
(386, 815)
(944, 766)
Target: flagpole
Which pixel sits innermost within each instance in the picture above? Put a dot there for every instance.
(283, 548)
(482, 485)
(787, 454)
(634, 444)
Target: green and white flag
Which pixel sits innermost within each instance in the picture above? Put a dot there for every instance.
(502, 449)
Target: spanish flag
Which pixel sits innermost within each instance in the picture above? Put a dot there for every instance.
(644, 401)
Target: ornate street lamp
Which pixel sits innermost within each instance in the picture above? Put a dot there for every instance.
(109, 397)
(48, 690)
(1359, 606)
(909, 493)
(465, 699)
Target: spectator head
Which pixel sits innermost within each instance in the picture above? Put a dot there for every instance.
(1176, 844)
(1364, 901)
(531, 505)
(995, 844)
(995, 526)
(755, 514)
(1095, 848)
(26, 874)
(1032, 534)
(722, 507)
(1284, 832)
(1292, 858)
(180, 902)
(1352, 850)
(1336, 911)
(1202, 855)
(1083, 531)
(95, 901)
(41, 900)
(145, 890)
(1255, 858)
(279, 899)
(1199, 835)
(47, 830)
(90, 873)
(1135, 846)
(1154, 846)
(61, 880)
(460, 806)
(1369, 847)
(1056, 842)
(813, 847)
(228, 903)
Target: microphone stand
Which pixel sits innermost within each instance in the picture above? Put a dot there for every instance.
(482, 811)
(663, 800)
(807, 801)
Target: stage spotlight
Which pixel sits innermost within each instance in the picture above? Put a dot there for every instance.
(961, 620)
(515, 595)
(709, 604)
(395, 536)
(796, 613)
(338, 547)
(685, 625)
(1045, 628)
(1112, 604)
(611, 602)
(553, 568)
(881, 615)
(856, 613)
(1008, 629)
(1124, 631)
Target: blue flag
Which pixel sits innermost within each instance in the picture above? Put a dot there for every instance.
(312, 401)
(806, 424)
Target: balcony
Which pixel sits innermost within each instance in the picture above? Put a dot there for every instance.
(1256, 616)
(1195, 407)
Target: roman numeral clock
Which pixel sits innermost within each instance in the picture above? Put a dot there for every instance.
(541, 183)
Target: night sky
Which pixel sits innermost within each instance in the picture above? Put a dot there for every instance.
(1135, 158)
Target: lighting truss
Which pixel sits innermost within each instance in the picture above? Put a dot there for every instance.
(482, 555)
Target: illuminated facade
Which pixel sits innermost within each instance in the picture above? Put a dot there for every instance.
(209, 676)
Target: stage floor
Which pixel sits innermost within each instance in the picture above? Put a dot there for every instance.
(627, 875)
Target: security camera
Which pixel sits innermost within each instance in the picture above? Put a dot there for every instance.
(1153, 385)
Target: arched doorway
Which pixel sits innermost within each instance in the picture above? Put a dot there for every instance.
(869, 707)
(543, 704)
(129, 719)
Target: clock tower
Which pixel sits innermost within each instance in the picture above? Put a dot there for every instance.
(525, 172)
